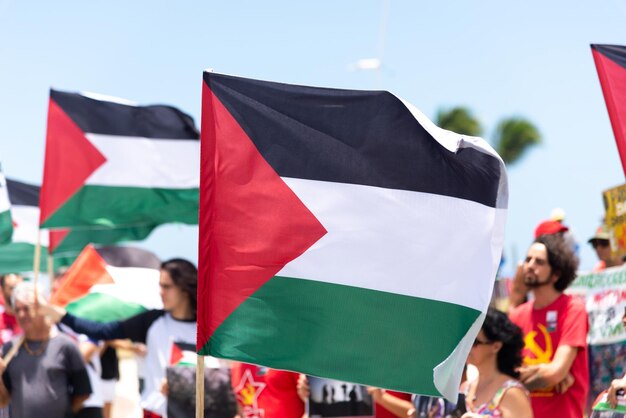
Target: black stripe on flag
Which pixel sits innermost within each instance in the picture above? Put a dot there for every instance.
(357, 137)
(23, 194)
(129, 257)
(615, 53)
(110, 118)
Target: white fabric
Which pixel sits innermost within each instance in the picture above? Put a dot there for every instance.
(149, 163)
(407, 243)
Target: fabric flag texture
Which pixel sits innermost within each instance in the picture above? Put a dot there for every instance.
(70, 242)
(6, 223)
(109, 163)
(18, 255)
(343, 235)
(95, 290)
(610, 62)
(64, 244)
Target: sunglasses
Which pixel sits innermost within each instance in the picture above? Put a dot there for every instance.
(478, 342)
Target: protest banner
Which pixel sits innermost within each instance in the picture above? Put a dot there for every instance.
(605, 299)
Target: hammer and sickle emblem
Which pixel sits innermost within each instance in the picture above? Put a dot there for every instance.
(541, 356)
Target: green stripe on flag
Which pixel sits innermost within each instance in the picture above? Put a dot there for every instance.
(126, 206)
(6, 227)
(19, 257)
(101, 307)
(76, 240)
(335, 331)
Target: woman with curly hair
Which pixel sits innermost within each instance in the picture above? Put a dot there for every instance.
(497, 354)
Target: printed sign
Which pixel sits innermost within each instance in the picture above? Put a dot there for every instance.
(615, 219)
(605, 300)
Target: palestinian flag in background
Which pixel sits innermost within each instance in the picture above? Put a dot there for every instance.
(343, 235)
(6, 224)
(18, 255)
(611, 65)
(70, 242)
(100, 291)
(114, 164)
(64, 244)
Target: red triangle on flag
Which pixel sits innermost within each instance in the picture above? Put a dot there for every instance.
(251, 223)
(176, 354)
(56, 237)
(613, 81)
(88, 269)
(69, 160)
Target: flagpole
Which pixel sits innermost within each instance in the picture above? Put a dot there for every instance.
(51, 271)
(36, 268)
(199, 386)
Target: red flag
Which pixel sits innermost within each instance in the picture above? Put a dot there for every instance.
(611, 65)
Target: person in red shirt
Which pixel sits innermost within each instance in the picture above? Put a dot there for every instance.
(266, 393)
(555, 330)
(8, 323)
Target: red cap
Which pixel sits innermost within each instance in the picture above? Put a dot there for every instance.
(549, 227)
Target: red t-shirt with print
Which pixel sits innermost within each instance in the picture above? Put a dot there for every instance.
(266, 393)
(563, 322)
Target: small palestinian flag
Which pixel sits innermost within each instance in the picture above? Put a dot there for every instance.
(96, 290)
(611, 65)
(6, 223)
(113, 164)
(183, 354)
(343, 235)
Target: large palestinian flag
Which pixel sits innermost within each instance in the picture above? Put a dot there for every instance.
(611, 65)
(109, 163)
(6, 224)
(343, 235)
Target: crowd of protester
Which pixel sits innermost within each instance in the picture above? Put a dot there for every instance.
(531, 361)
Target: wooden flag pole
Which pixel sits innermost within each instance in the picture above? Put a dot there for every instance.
(199, 386)
(13, 351)
(36, 267)
(51, 271)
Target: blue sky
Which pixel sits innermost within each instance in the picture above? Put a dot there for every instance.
(500, 59)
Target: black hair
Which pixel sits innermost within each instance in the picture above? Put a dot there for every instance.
(498, 327)
(562, 259)
(185, 276)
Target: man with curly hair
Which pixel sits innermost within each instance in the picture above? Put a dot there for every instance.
(555, 328)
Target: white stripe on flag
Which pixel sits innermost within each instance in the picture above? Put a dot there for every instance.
(149, 163)
(133, 285)
(26, 220)
(415, 244)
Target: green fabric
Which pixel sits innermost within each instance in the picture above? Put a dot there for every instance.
(6, 227)
(101, 307)
(338, 332)
(76, 240)
(103, 206)
(20, 257)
